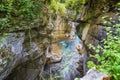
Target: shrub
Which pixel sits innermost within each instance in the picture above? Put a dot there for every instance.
(110, 58)
(11, 10)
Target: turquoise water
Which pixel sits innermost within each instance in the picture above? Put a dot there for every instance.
(67, 68)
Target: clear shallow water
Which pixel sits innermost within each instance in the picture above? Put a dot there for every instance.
(67, 68)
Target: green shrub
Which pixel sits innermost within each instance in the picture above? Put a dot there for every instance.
(11, 10)
(110, 59)
(14, 11)
(56, 7)
(74, 4)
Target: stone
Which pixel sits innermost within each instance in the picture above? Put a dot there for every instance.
(18, 62)
(67, 68)
(85, 31)
(94, 74)
(55, 54)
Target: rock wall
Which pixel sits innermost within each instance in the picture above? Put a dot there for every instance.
(22, 51)
(92, 25)
(39, 52)
(95, 33)
(23, 57)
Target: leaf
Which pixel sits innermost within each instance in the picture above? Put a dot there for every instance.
(90, 64)
(115, 77)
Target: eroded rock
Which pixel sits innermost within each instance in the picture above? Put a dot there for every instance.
(17, 62)
(94, 74)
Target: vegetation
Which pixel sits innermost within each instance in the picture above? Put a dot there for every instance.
(75, 4)
(110, 58)
(14, 11)
(11, 11)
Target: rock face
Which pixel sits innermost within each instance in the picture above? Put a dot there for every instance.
(22, 53)
(55, 54)
(16, 62)
(94, 33)
(94, 36)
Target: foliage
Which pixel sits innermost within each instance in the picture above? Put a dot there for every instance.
(56, 7)
(74, 4)
(110, 59)
(74, 7)
(14, 11)
(11, 10)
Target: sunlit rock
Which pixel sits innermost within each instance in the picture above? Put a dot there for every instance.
(54, 55)
(73, 31)
(79, 48)
(94, 74)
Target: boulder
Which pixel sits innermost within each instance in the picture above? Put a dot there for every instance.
(94, 74)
